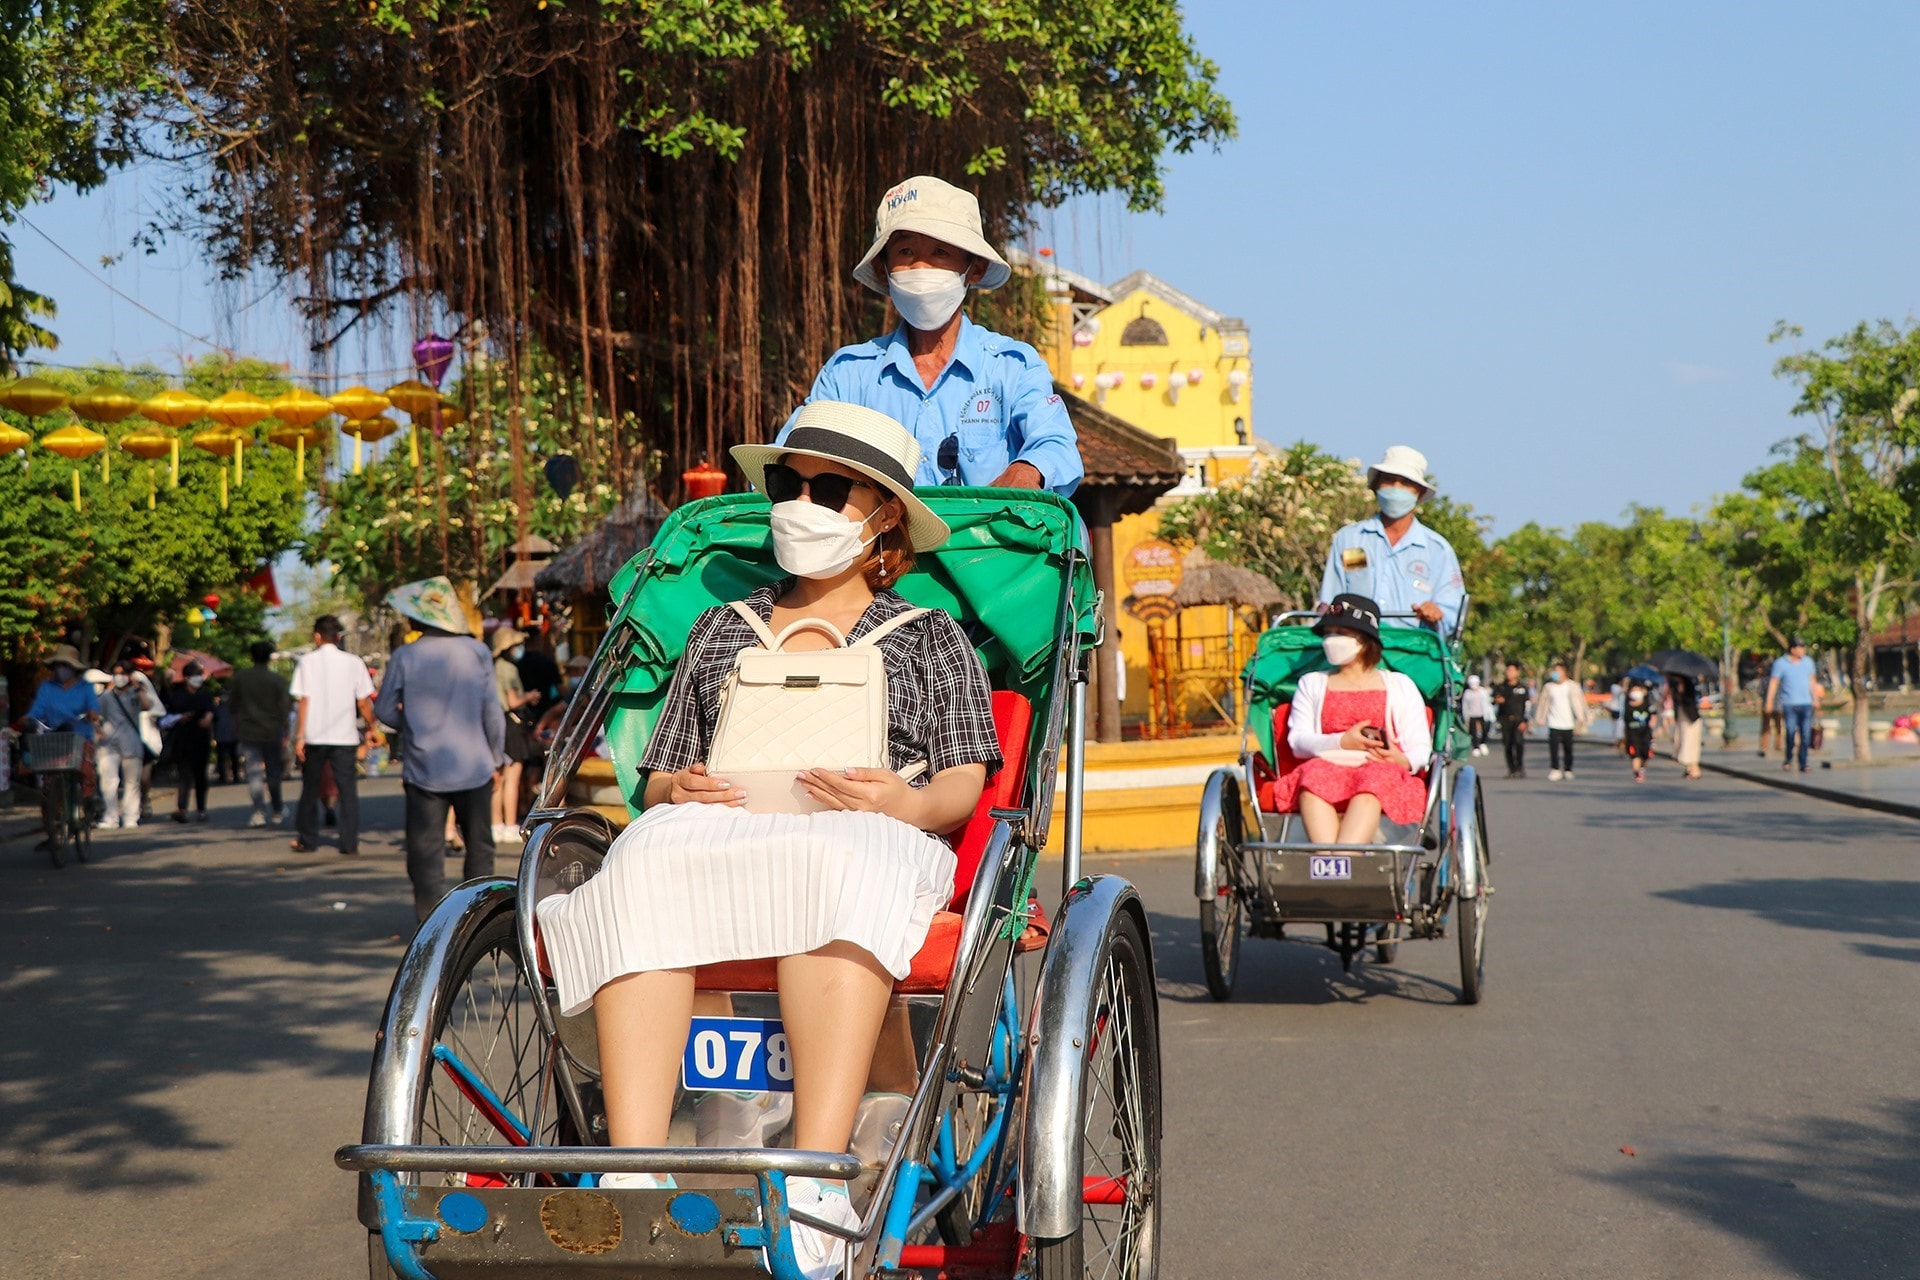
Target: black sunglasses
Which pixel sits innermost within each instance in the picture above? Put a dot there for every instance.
(948, 458)
(784, 484)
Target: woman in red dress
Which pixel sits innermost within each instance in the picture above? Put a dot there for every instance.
(1360, 732)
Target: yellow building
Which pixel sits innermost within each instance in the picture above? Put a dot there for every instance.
(1172, 366)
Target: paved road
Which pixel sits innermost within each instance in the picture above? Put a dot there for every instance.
(1715, 975)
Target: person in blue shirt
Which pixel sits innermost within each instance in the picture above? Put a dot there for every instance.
(1405, 566)
(981, 404)
(66, 703)
(1792, 689)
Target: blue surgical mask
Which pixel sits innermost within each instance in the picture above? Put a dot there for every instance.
(1395, 501)
(518, 652)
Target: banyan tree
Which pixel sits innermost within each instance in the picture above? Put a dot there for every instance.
(664, 195)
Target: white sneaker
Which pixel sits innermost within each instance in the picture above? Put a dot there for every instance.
(279, 816)
(1568, 775)
(1553, 775)
(728, 1119)
(637, 1181)
(258, 819)
(821, 1256)
(107, 824)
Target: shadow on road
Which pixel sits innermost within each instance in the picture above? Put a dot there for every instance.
(1273, 972)
(1831, 1199)
(1882, 908)
(1678, 811)
(141, 973)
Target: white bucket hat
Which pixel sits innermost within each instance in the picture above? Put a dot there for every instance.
(935, 208)
(863, 439)
(1403, 462)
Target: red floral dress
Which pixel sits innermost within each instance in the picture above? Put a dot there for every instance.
(1403, 797)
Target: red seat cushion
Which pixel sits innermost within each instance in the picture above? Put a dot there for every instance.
(932, 965)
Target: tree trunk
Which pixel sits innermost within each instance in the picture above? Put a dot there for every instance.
(1859, 663)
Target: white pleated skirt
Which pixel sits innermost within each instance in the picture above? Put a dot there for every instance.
(693, 884)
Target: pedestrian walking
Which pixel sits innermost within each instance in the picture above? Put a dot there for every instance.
(1636, 726)
(119, 753)
(226, 740)
(1683, 710)
(1791, 688)
(1510, 699)
(261, 700)
(189, 722)
(1562, 710)
(440, 693)
(518, 703)
(1476, 704)
(329, 686)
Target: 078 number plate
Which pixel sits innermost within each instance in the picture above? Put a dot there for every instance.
(738, 1054)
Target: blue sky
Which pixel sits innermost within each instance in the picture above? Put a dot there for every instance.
(1543, 243)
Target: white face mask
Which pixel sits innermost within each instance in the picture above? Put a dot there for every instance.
(813, 542)
(1340, 650)
(927, 297)
(119, 682)
(194, 682)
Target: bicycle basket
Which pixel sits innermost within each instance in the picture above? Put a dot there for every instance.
(52, 752)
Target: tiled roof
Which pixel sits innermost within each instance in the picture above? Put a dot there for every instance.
(1120, 456)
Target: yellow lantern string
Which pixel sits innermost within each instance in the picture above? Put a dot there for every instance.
(300, 460)
(150, 488)
(175, 442)
(76, 488)
(223, 488)
(239, 475)
(358, 441)
(413, 447)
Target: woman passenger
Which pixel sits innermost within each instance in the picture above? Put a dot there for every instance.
(843, 897)
(1360, 732)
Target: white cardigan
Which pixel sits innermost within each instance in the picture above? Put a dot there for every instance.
(1406, 720)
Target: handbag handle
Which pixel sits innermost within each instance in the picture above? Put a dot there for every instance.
(773, 642)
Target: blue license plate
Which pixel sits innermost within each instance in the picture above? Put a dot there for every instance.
(1329, 867)
(748, 1055)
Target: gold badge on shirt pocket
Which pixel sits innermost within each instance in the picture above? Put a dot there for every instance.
(1353, 558)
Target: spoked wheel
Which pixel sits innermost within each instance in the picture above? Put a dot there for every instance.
(1386, 946)
(57, 813)
(487, 1065)
(1220, 919)
(1470, 914)
(1119, 1236)
(79, 824)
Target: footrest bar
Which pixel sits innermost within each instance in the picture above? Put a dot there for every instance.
(743, 1161)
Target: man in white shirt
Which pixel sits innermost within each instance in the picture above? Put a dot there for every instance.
(1563, 709)
(329, 687)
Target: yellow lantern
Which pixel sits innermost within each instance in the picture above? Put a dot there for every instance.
(74, 442)
(451, 415)
(173, 408)
(238, 410)
(220, 442)
(413, 397)
(288, 435)
(33, 397)
(300, 407)
(374, 428)
(149, 445)
(103, 404)
(358, 402)
(12, 439)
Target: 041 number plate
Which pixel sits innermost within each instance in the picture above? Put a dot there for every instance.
(739, 1054)
(1330, 867)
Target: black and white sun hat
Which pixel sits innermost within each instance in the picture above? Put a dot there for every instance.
(859, 438)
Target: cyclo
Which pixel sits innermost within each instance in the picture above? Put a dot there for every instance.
(1255, 872)
(1031, 1145)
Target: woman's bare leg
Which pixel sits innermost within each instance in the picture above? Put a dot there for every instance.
(642, 1020)
(1361, 822)
(833, 1001)
(1321, 819)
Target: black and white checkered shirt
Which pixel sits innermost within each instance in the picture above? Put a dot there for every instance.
(939, 706)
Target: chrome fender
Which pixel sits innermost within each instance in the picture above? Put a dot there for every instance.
(1220, 798)
(1051, 1191)
(401, 1046)
(1467, 846)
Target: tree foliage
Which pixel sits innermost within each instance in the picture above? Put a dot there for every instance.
(1277, 520)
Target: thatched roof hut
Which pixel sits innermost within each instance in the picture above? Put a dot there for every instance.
(1204, 580)
(589, 564)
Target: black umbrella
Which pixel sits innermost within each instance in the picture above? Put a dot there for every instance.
(1684, 662)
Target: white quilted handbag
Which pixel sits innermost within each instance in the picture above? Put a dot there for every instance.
(816, 709)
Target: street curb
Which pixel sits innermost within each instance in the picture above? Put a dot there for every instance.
(1818, 793)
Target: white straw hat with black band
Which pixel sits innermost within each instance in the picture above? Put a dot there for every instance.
(863, 440)
(934, 208)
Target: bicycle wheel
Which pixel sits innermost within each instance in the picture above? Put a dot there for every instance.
(1119, 1236)
(57, 814)
(78, 823)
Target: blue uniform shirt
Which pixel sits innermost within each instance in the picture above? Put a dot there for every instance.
(995, 397)
(62, 710)
(1421, 568)
(1796, 681)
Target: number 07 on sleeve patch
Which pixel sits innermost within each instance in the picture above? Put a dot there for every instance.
(748, 1055)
